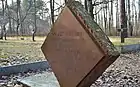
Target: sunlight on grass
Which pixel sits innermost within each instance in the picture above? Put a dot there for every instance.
(40, 39)
(128, 41)
(3, 56)
(14, 46)
(27, 39)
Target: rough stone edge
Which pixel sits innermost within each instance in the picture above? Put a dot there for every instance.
(78, 9)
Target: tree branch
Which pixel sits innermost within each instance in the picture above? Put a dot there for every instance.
(99, 10)
(61, 6)
(26, 14)
(98, 3)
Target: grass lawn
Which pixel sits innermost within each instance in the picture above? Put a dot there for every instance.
(128, 41)
(14, 47)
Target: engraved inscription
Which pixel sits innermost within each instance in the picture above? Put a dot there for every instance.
(68, 33)
(67, 45)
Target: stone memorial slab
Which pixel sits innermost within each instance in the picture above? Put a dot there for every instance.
(77, 48)
(46, 79)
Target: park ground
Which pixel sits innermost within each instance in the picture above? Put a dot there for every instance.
(15, 51)
(124, 72)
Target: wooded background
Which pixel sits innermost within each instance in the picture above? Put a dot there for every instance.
(35, 17)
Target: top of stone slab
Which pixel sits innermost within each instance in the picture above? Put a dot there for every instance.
(46, 79)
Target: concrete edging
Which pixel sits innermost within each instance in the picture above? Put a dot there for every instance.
(8, 70)
(128, 48)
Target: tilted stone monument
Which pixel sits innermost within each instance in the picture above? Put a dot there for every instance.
(77, 48)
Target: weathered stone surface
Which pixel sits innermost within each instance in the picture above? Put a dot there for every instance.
(77, 48)
(92, 28)
(46, 79)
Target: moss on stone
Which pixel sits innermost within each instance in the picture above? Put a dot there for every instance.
(78, 9)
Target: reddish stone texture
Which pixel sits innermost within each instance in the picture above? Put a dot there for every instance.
(76, 59)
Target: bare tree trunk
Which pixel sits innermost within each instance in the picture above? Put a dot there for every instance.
(3, 12)
(86, 7)
(52, 10)
(117, 18)
(111, 20)
(123, 21)
(102, 18)
(95, 15)
(65, 1)
(2, 29)
(13, 22)
(138, 15)
(136, 20)
(105, 19)
(90, 8)
(9, 18)
(139, 11)
(129, 20)
(133, 17)
(35, 27)
(18, 19)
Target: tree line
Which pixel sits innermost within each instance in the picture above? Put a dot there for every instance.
(115, 17)
(22, 17)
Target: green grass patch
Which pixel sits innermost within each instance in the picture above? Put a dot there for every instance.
(16, 47)
(13, 46)
(128, 41)
(3, 56)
